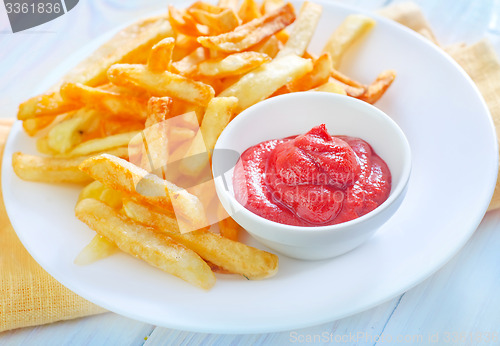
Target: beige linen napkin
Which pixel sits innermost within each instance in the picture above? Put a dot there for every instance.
(29, 296)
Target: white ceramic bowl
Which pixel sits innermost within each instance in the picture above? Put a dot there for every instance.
(294, 114)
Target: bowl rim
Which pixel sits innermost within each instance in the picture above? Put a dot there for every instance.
(279, 227)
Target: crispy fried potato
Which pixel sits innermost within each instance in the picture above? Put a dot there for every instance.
(375, 90)
(180, 134)
(143, 242)
(160, 57)
(162, 84)
(218, 23)
(269, 6)
(189, 64)
(251, 33)
(303, 29)
(184, 45)
(70, 132)
(351, 29)
(155, 153)
(112, 103)
(35, 125)
(184, 23)
(103, 144)
(123, 176)
(266, 79)
(331, 87)
(48, 169)
(92, 190)
(110, 126)
(319, 75)
(45, 105)
(232, 65)
(219, 112)
(249, 10)
(98, 248)
(228, 254)
(232, 4)
(270, 47)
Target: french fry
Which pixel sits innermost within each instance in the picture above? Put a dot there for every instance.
(270, 47)
(249, 10)
(229, 228)
(123, 176)
(98, 248)
(251, 33)
(102, 144)
(350, 30)
(155, 155)
(92, 190)
(48, 169)
(269, 6)
(266, 79)
(70, 132)
(189, 64)
(232, 65)
(331, 87)
(219, 112)
(319, 75)
(232, 4)
(184, 23)
(143, 242)
(181, 134)
(303, 29)
(160, 57)
(161, 84)
(218, 23)
(233, 256)
(184, 45)
(45, 105)
(375, 90)
(35, 125)
(204, 6)
(109, 126)
(106, 101)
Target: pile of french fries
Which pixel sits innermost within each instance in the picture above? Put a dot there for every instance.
(138, 119)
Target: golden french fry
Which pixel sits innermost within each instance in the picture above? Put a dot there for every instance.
(251, 33)
(98, 248)
(189, 64)
(249, 10)
(107, 101)
(319, 75)
(282, 36)
(351, 29)
(92, 190)
(270, 47)
(70, 132)
(375, 90)
(35, 125)
(48, 169)
(160, 57)
(143, 242)
(234, 64)
(219, 112)
(180, 134)
(331, 87)
(103, 144)
(45, 105)
(303, 29)
(184, 45)
(266, 79)
(155, 153)
(184, 23)
(131, 45)
(229, 228)
(232, 4)
(269, 6)
(218, 23)
(231, 255)
(123, 176)
(161, 84)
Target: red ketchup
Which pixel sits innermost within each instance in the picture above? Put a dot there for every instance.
(313, 179)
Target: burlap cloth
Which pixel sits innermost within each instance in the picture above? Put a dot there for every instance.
(30, 296)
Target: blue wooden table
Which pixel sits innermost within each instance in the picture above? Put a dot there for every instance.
(458, 304)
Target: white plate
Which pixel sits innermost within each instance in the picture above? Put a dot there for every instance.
(454, 172)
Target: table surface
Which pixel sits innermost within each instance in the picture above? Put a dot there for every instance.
(458, 303)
